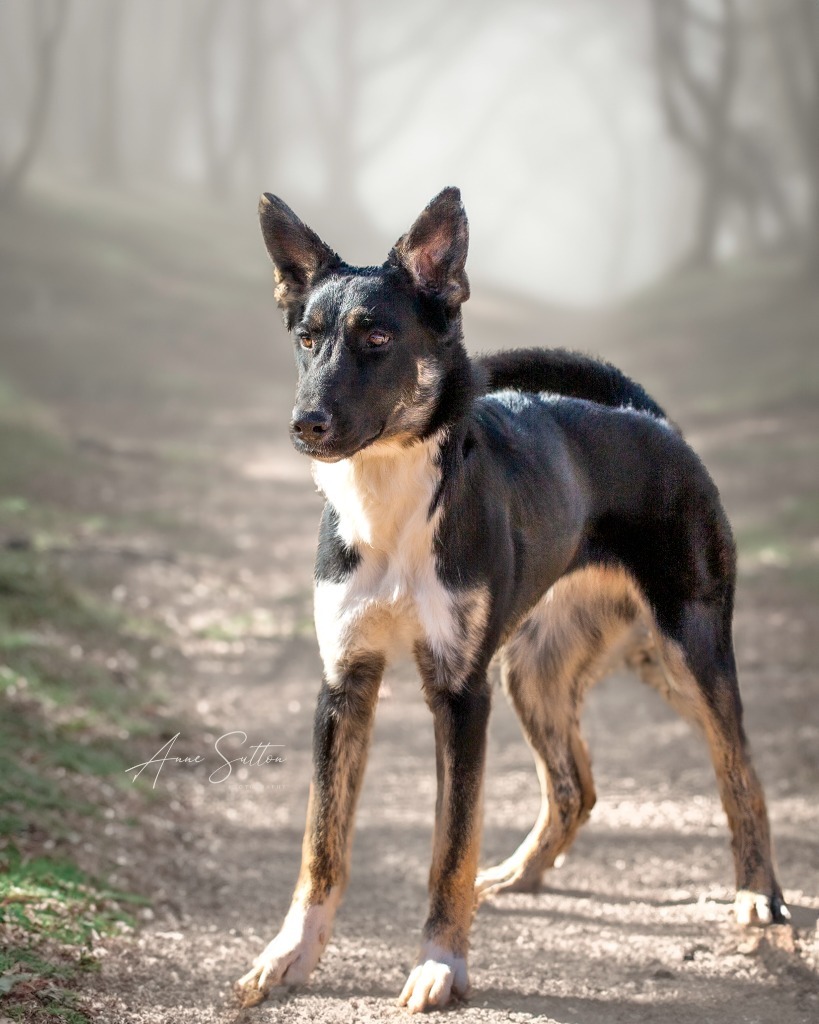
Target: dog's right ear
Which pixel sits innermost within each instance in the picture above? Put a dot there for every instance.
(299, 256)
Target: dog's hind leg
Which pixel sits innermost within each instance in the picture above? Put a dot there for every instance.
(569, 641)
(695, 669)
(567, 791)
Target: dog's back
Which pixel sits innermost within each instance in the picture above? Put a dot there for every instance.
(562, 372)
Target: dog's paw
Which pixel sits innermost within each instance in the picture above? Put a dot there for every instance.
(439, 976)
(506, 877)
(290, 958)
(760, 908)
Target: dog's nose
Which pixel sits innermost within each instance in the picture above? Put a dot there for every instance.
(310, 425)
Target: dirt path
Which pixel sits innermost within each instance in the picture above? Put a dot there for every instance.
(182, 428)
(636, 926)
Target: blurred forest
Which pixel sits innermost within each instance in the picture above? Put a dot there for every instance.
(607, 142)
(642, 182)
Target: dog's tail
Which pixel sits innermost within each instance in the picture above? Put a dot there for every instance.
(561, 372)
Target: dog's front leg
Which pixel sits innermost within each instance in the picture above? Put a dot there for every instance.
(460, 736)
(343, 723)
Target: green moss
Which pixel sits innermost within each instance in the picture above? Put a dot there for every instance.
(54, 897)
(42, 897)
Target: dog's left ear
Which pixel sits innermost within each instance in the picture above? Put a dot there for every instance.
(299, 256)
(434, 249)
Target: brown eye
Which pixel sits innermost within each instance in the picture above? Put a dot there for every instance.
(378, 338)
(306, 342)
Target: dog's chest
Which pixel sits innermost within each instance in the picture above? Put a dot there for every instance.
(394, 598)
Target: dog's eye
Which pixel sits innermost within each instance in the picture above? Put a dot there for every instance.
(377, 338)
(306, 342)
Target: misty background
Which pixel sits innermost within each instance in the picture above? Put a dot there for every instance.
(598, 145)
(642, 182)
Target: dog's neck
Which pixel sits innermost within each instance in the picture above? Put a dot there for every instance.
(383, 495)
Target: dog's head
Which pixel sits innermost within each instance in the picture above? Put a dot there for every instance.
(378, 349)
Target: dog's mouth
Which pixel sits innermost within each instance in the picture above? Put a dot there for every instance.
(329, 452)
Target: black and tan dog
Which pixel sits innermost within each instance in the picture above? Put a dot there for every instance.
(536, 504)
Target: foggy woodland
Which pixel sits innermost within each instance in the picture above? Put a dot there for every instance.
(641, 134)
(641, 179)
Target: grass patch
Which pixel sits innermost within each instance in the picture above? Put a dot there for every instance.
(68, 714)
(54, 897)
(789, 534)
(41, 1000)
(784, 547)
(33, 593)
(42, 897)
(73, 698)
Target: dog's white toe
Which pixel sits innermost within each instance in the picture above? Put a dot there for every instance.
(759, 908)
(438, 977)
(291, 957)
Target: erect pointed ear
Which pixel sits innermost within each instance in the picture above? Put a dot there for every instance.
(434, 249)
(299, 256)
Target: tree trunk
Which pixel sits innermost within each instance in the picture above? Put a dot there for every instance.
(701, 122)
(796, 48)
(107, 158)
(49, 20)
(216, 167)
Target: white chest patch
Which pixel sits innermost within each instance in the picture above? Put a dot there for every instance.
(394, 598)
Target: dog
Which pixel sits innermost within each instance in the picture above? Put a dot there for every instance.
(536, 504)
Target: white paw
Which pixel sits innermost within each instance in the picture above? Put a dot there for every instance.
(290, 958)
(439, 975)
(758, 908)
